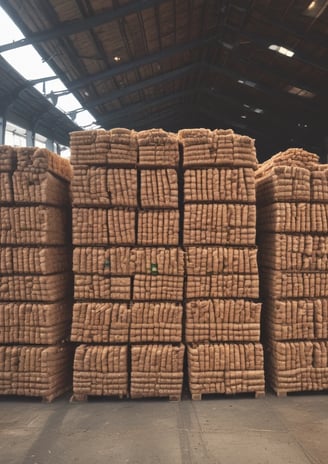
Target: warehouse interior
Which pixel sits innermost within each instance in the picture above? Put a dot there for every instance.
(185, 64)
(252, 74)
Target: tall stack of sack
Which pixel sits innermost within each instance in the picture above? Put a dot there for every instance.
(292, 197)
(156, 316)
(222, 316)
(35, 267)
(127, 264)
(104, 190)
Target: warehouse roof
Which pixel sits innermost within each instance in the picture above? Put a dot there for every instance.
(23, 105)
(259, 66)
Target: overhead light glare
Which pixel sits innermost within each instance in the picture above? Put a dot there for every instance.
(315, 8)
(243, 116)
(248, 83)
(117, 58)
(227, 45)
(246, 106)
(300, 92)
(258, 110)
(282, 50)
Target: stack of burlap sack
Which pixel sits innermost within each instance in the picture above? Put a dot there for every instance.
(222, 281)
(293, 242)
(35, 266)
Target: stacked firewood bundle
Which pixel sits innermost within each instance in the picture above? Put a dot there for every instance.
(292, 198)
(104, 193)
(156, 315)
(35, 286)
(222, 316)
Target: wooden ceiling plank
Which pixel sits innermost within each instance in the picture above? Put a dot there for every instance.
(83, 24)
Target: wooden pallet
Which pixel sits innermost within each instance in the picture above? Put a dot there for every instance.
(51, 398)
(285, 393)
(83, 398)
(172, 398)
(43, 398)
(199, 396)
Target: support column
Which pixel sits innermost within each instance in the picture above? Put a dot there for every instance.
(30, 138)
(2, 130)
(50, 144)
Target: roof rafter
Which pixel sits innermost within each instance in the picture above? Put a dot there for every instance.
(126, 67)
(263, 88)
(270, 115)
(265, 42)
(115, 115)
(232, 102)
(318, 39)
(83, 24)
(142, 106)
(180, 71)
(233, 112)
(139, 85)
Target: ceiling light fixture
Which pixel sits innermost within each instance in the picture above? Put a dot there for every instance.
(248, 83)
(117, 58)
(243, 116)
(258, 110)
(299, 92)
(227, 45)
(316, 8)
(282, 50)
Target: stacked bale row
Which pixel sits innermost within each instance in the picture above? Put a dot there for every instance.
(35, 268)
(104, 190)
(292, 196)
(222, 326)
(128, 268)
(157, 364)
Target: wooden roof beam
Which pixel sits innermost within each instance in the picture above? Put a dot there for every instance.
(189, 68)
(264, 88)
(139, 86)
(76, 26)
(115, 115)
(264, 43)
(132, 65)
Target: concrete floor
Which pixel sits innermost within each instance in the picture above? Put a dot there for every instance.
(240, 430)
